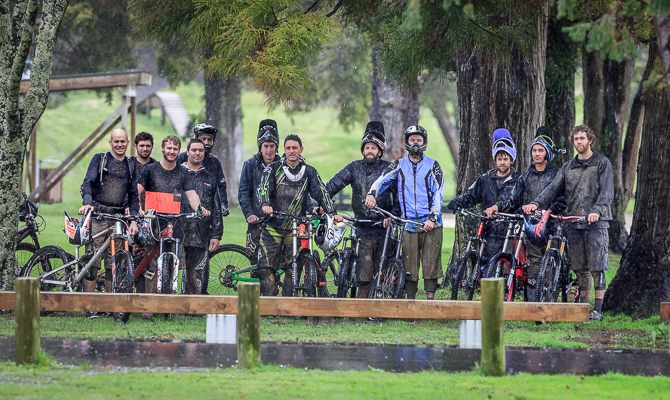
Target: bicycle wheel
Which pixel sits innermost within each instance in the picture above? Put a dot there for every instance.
(306, 276)
(463, 285)
(47, 259)
(500, 266)
(166, 270)
(123, 280)
(223, 265)
(24, 251)
(322, 289)
(343, 279)
(392, 282)
(546, 289)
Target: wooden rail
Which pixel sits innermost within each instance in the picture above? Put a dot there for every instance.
(665, 311)
(94, 81)
(289, 306)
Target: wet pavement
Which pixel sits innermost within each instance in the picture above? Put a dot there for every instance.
(346, 356)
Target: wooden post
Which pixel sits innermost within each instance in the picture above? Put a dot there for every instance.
(27, 319)
(147, 106)
(133, 118)
(493, 345)
(248, 325)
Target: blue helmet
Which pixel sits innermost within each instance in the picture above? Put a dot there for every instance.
(502, 141)
(537, 233)
(543, 137)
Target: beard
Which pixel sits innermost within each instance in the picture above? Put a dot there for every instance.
(370, 159)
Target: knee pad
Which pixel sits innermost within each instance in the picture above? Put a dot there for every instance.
(599, 282)
(430, 285)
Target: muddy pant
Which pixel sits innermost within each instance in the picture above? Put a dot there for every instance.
(534, 256)
(195, 259)
(423, 249)
(254, 239)
(97, 226)
(275, 253)
(588, 254)
(369, 255)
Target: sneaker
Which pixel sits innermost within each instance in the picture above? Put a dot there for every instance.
(595, 316)
(108, 315)
(148, 316)
(91, 314)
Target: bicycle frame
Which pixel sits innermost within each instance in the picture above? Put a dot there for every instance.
(302, 235)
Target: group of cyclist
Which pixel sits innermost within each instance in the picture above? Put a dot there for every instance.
(273, 187)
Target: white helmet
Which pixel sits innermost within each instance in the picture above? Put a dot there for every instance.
(329, 235)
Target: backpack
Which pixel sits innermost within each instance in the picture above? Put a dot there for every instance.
(103, 163)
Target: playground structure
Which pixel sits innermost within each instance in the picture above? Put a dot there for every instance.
(136, 88)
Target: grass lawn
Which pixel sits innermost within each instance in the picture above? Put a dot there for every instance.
(63, 382)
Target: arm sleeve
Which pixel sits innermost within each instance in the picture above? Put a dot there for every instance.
(438, 191)
(222, 184)
(188, 183)
(267, 186)
(319, 192)
(217, 218)
(555, 188)
(339, 181)
(385, 180)
(90, 179)
(245, 194)
(606, 182)
(473, 195)
(132, 197)
(512, 201)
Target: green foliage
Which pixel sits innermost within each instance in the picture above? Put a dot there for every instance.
(269, 41)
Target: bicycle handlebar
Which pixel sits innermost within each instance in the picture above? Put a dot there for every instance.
(121, 217)
(394, 218)
(291, 216)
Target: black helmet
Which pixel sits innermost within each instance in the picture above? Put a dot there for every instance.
(416, 149)
(374, 133)
(205, 129)
(267, 132)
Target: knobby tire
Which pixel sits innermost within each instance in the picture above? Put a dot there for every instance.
(124, 279)
(228, 258)
(343, 281)
(46, 259)
(463, 285)
(546, 288)
(306, 276)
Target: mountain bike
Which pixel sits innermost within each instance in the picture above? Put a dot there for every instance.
(389, 279)
(555, 273)
(226, 266)
(466, 281)
(28, 242)
(58, 270)
(347, 278)
(510, 264)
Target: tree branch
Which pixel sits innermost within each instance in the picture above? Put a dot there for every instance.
(337, 7)
(312, 6)
(5, 43)
(486, 30)
(22, 36)
(36, 99)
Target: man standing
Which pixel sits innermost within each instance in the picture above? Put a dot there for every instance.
(361, 174)
(144, 144)
(420, 186)
(107, 183)
(207, 133)
(588, 185)
(200, 235)
(166, 177)
(529, 185)
(250, 181)
(285, 186)
(489, 190)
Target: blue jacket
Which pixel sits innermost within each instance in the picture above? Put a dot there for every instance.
(420, 188)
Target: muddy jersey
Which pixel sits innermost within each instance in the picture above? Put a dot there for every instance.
(108, 185)
(287, 189)
(155, 178)
(213, 165)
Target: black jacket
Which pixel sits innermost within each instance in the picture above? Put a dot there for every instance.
(485, 191)
(287, 189)
(529, 186)
(94, 191)
(212, 164)
(198, 232)
(138, 167)
(250, 180)
(588, 187)
(361, 175)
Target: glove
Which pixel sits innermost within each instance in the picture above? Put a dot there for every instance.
(225, 212)
(454, 205)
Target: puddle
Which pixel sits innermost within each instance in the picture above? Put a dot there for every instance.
(394, 358)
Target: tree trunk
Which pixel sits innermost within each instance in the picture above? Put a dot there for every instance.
(634, 130)
(395, 108)
(493, 95)
(223, 108)
(448, 129)
(606, 92)
(643, 278)
(560, 81)
(17, 118)
(662, 25)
